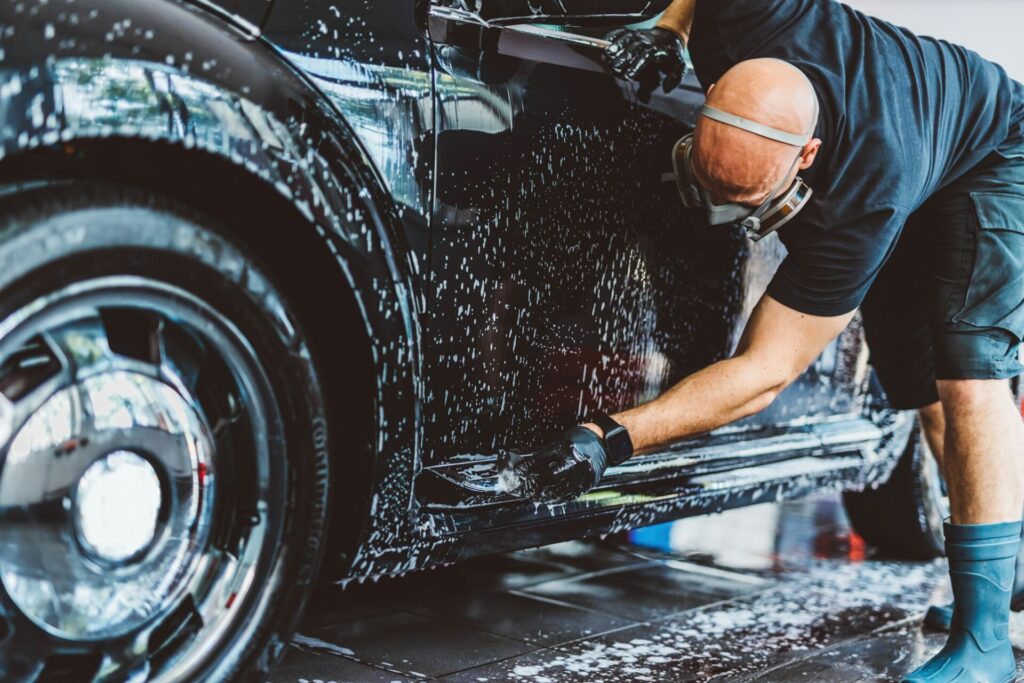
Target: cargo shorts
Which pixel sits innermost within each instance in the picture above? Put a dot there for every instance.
(949, 302)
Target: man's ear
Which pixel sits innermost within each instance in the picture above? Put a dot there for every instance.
(710, 88)
(809, 153)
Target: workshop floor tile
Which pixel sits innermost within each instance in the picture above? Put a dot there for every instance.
(306, 666)
(331, 605)
(525, 617)
(643, 592)
(419, 646)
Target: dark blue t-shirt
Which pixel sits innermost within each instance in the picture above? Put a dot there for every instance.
(901, 117)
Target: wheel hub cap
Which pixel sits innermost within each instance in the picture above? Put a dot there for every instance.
(116, 506)
(120, 462)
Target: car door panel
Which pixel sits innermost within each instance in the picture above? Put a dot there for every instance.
(566, 277)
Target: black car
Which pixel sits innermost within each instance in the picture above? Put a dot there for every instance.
(281, 278)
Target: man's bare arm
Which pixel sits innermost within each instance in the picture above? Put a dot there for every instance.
(777, 345)
(678, 18)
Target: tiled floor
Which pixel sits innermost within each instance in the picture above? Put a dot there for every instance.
(772, 593)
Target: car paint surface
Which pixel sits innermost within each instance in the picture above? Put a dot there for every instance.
(563, 276)
(498, 212)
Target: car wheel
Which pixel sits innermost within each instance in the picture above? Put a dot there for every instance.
(163, 472)
(903, 517)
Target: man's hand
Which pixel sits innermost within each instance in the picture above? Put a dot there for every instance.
(648, 56)
(560, 471)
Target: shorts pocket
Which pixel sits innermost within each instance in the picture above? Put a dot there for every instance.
(995, 294)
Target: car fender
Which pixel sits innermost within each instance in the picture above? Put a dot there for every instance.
(158, 70)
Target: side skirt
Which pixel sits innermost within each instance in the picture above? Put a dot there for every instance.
(458, 515)
(697, 477)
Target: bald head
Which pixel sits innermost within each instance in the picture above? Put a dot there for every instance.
(737, 165)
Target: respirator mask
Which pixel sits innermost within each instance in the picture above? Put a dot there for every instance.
(775, 211)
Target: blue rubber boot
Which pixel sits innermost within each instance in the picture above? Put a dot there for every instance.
(982, 561)
(939, 617)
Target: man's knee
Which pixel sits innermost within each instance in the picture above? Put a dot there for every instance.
(960, 395)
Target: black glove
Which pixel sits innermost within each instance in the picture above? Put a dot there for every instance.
(561, 471)
(648, 56)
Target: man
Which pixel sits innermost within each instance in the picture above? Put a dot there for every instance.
(914, 151)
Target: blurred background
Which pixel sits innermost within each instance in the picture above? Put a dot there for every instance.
(989, 27)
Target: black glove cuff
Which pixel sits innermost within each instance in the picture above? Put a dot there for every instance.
(661, 30)
(588, 445)
(616, 438)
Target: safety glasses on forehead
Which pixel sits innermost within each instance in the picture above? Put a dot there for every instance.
(758, 221)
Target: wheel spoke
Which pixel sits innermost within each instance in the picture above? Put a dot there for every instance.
(180, 626)
(128, 661)
(229, 413)
(31, 377)
(222, 592)
(18, 664)
(181, 357)
(48, 660)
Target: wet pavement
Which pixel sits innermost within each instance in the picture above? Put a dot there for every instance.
(774, 592)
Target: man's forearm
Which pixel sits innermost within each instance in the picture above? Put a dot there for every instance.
(679, 18)
(715, 396)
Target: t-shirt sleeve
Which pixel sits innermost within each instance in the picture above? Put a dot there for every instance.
(725, 32)
(829, 270)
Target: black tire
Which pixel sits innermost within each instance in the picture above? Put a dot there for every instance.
(54, 237)
(902, 518)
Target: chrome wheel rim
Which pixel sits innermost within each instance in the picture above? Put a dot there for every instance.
(123, 400)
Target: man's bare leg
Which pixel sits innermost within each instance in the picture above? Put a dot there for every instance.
(933, 424)
(983, 451)
(983, 462)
